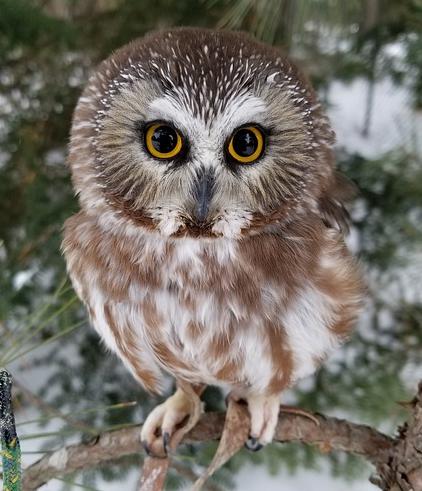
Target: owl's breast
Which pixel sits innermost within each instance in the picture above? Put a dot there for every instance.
(216, 312)
(226, 315)
(204, 322)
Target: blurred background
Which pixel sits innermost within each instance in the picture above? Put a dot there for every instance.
(365, 58)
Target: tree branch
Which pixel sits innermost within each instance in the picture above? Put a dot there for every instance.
(402, 470)
(330, 434)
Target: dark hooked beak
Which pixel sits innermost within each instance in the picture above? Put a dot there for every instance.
(204, 188)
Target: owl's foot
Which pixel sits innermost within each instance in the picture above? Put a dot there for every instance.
(264, 411)
(168, 422)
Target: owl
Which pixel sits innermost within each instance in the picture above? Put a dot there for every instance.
(209, 245)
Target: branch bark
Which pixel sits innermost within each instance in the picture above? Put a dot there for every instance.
(402, 470)
(397, 461)
(330, 434)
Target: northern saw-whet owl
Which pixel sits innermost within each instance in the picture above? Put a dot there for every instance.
(209, 244)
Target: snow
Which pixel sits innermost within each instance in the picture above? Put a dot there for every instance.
(22, 278)
(250, 478)
(393, 121)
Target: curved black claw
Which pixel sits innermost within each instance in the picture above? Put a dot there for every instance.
(166, 442)
(253, 444)
(226, 400)
(146, 448)
(150, 453)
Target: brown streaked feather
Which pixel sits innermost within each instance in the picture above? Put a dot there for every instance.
(332, 204)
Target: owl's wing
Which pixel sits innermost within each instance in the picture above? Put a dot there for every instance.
(332, 203)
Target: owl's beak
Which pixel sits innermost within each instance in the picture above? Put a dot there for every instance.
(203, 194)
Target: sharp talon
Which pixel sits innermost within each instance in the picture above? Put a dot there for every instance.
(146, 448)
(166, 442)
(150, 453)
(180, 412)
(227, 400)
(253, 444)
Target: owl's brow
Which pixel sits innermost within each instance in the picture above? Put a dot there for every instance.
(238, 112)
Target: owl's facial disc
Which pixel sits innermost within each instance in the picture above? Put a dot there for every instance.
(204, 133)
(203, 189)
(202, 164)
(164, 142)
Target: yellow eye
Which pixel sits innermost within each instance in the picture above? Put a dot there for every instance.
(163, 141)
(246, 145)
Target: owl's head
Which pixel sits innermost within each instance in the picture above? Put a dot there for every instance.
(200, 132)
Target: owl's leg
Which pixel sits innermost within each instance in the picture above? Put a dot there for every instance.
(168, 422)
(264, 411)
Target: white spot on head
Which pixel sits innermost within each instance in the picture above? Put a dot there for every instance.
(271, 78)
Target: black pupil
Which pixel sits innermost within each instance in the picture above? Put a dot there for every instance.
(245, 142)
(164, 139)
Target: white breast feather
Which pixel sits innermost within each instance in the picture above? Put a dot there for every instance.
(306, 323)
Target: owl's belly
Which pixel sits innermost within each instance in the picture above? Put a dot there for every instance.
(210, 312)
(204, 338)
